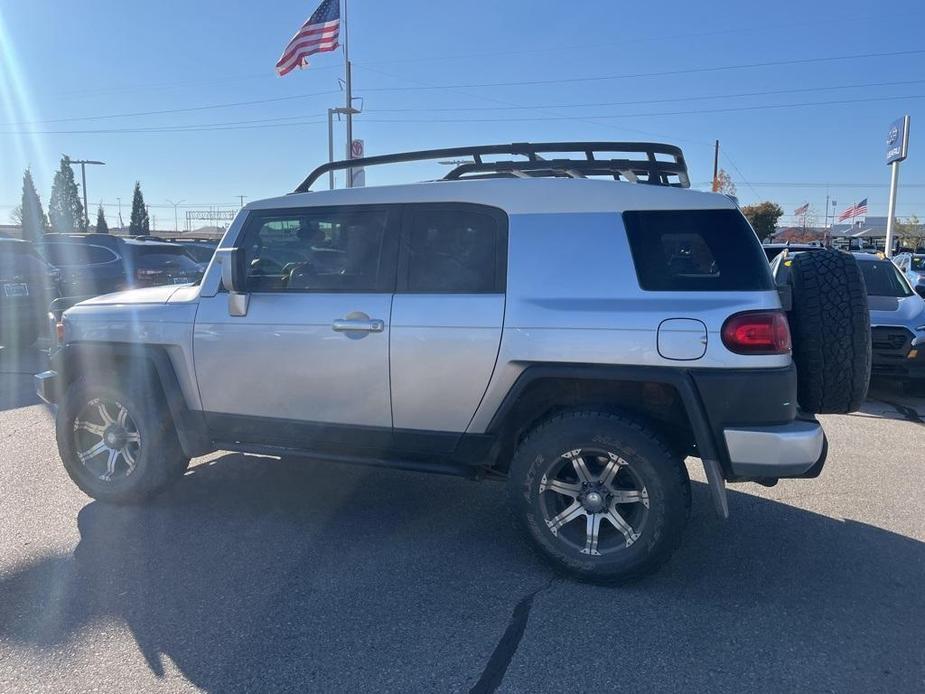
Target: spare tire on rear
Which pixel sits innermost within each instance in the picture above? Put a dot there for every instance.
(830, 325)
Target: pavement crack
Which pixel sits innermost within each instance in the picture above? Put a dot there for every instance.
(507, 646)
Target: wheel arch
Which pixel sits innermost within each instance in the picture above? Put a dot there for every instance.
(664, 398)
(138, 361)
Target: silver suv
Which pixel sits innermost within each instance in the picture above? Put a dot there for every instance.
(516, 320)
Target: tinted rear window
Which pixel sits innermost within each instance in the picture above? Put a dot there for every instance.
(166, 261)
(71, 254)
(696, 250)
(148, 255)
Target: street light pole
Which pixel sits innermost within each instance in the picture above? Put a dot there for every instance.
(83, 177)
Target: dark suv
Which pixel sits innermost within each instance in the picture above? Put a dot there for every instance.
(27, 285)
(93, 264)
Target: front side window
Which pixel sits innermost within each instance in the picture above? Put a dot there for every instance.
(696, 250)
(454, 250)
(336, 249)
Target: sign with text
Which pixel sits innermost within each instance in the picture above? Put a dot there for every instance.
(897, 140)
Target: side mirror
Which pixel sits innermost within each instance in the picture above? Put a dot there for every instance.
(234, 279)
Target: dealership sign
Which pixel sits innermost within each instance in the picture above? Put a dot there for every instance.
(897, 140)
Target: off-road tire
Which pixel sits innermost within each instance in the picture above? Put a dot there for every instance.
(160, 459)
(830, 326)
(663, 472)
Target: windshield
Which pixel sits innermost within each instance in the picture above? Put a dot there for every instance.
(918, 263)
(884, 279)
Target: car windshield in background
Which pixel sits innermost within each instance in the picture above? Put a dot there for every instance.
(883, 279)
(918, 263)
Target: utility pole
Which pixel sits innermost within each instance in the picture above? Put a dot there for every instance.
(716, 166)
(176, 224)
(83, 177)
(349, 104)
(331, 146)
(121, 225)
(241, 198)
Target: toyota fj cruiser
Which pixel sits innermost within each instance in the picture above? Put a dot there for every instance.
(515, 320)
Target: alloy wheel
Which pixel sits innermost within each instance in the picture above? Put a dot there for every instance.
(107, 439)
(595, 486)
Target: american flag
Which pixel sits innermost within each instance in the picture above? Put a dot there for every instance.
(318, 35)
(802, 209)
(859, 210)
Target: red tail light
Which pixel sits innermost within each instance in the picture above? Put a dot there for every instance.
(757, 332)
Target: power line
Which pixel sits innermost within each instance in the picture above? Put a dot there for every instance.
(730, 109)
(660, 73)
(428, 87)
(173, 110)
(699, 97)
(661, 38)
(277, 122)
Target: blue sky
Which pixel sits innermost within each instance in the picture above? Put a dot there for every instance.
(64, 64)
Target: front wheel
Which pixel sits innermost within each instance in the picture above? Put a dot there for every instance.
(600, 495)
(118, 442)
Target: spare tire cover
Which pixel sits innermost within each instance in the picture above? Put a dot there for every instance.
(830, 326)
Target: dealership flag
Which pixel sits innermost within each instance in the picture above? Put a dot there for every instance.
(801, 210)
(318, 35)
(859, 210)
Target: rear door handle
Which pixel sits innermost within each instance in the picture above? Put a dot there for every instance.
(346, 325)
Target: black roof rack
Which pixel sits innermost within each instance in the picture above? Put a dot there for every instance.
(587, 162)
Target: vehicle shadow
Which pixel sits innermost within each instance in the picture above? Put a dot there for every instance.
(263, 574)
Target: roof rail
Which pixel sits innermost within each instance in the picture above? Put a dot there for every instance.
(641, 169)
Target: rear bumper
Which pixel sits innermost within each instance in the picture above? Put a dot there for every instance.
(781, 450)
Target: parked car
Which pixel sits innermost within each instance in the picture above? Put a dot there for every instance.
(94, 264)
(27, 286)
(578, 338)
(912, 265)
(201, 250)
(897, 316)
(772, 250)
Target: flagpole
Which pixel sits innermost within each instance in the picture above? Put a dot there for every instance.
(349, 104)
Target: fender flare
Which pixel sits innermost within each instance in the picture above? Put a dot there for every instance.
(75, 358)
(678, 378)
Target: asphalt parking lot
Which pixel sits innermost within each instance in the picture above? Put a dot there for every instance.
(256, 575)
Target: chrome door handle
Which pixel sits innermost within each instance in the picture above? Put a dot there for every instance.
(345, 325)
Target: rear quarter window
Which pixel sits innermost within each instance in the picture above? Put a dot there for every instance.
(696, 250)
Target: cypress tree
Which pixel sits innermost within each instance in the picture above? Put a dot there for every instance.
(139, 224)
(33, 220)
(101, 226)
(65, 211)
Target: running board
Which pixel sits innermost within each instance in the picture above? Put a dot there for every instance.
(435, 467)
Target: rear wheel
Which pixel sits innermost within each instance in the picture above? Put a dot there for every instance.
(118, 443)
(600, 495)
